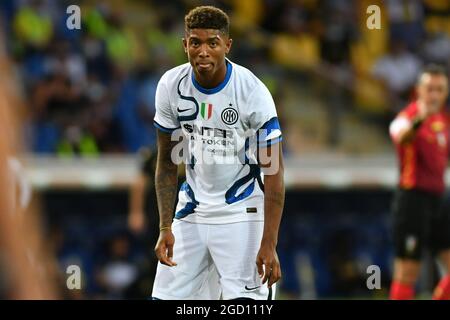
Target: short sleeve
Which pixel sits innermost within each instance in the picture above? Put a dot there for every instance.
(399, 124)
(263, 117)
(164, 120)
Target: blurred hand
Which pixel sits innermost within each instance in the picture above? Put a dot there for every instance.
(164, 248)
(268, 264)
(136, 221)
(426, 111)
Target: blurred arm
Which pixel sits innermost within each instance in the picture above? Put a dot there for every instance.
(136, 215)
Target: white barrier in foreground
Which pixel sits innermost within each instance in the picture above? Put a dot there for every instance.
(112, 172)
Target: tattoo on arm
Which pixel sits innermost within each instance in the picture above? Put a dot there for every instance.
(275, 197)
(166, 180)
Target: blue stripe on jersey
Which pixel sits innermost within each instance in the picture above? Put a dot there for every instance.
(270, 142)
(265, 130)
(219, 87)
(232, 197)
(164, 129)
(191, 99)
(246, 146)
(190, 206)
(271, 124)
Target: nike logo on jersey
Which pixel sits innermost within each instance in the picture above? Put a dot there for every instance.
(182, 110)
(250, 289)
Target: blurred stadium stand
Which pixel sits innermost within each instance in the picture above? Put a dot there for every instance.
(90, 93)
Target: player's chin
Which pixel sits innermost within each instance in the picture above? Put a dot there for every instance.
(435, 106)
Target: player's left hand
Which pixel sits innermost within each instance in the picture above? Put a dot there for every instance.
(268, 264)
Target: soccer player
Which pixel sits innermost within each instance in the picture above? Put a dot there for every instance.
(421, 135)
(230, 206)
(141, 190)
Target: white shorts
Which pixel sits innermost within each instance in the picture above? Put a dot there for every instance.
(214, 261)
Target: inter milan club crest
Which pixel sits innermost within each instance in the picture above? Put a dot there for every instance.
(229, 116)
(206, 110)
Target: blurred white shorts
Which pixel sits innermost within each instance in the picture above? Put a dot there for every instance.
(214, 262)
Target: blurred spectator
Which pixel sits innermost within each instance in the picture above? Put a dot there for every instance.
(61, 60)
(76, 141)
(347, 279)
(135, 109)
(114, 62)
(436, 48)
(336, 37)
(164, 40)
(120, 42)
(33, 24)
(398, 71)
(337, 33)
(406, 21)
(118, 272)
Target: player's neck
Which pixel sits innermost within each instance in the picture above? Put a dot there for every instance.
(213, 80)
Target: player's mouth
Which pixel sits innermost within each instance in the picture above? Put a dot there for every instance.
(204, 66)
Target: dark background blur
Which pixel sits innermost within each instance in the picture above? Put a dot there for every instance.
(89, 97)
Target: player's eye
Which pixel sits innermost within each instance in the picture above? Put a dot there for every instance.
(213, 44)
(195, 43)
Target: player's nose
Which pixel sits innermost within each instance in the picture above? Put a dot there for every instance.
(204, 51)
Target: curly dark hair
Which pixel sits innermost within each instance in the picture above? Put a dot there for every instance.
(207, 17)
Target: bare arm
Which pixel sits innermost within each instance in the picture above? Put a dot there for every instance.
(166, 183)
(136, 215)
(166, 180)
(273, 208)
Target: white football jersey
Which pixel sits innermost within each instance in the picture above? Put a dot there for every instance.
(220, 129)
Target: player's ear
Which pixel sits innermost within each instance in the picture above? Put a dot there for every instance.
(229, 42)
(184, 44)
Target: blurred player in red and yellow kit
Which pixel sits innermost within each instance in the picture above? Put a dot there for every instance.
(421, 135)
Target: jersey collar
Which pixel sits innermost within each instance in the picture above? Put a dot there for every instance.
(219, 87)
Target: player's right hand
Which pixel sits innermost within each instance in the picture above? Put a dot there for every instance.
(164, 248)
